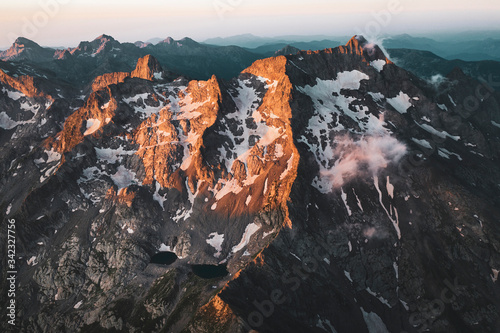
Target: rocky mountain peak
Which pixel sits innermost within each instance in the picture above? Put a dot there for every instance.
(98, 47)
(25, 49)
(370, 51)
(168, 40)
(188, 41)
(148, 68)
(103, 40)
(104, 37)
(62, 54)
(28, 85)
(456, 74)
(22, 41)
(289, 49)
(141, 44)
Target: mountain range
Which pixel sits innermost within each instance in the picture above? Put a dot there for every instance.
(317, 191)
(467, 50)
(467, 46)
(251, 41)
(79, 66)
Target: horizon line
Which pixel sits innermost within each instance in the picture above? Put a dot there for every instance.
(201, 41)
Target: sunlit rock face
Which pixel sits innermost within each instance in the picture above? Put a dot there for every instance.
(340, 192)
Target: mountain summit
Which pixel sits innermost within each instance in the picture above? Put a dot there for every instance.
(372, 52)
(148, 68)
(24, 49)
(104, 55)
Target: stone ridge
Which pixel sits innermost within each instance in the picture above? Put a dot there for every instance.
(146, 69)
(107, 79)
(25, 49)
(277, 112)
(159, 158)
(100, 106)
(28, 85)
(357, 45)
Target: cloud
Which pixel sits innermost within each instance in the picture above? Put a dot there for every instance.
(369, 232)
(377, 41)
(361, 158)
(374, 233)
(437, 80)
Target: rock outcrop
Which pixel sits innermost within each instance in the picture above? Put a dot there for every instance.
(147, 68)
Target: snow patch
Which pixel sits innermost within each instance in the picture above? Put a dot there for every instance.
(249, 231)
(494, 277)
(326, 325)
(15, 95)
(358, 201)
(441, 134)
(113, 155)
(374, 322)
(390, 188)
(348, 275)
(289, 166)
(92, 126)
(124, 178)
(157, 197)
(52, 156)
(394, 222)
(7, 123)
(451, 100)
(446, 154)
(32, 261)
(48, 172)
(377, 97)
(380, 298)
(343, 195)
(401, 102)
(9, 208)
(278, 150)
(442, 107)
(396, 269)
(216, 240)
(422, 143)
(164, 248)
(231, 186)
(378, 64)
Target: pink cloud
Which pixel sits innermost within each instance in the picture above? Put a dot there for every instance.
(362, 158)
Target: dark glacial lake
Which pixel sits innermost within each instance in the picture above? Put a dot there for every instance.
(164, 258)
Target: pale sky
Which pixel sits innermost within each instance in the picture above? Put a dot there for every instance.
(67, 22)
